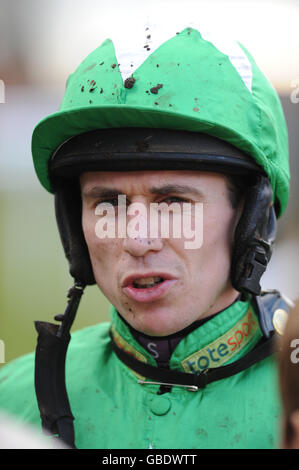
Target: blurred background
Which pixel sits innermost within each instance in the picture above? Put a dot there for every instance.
(41, 43)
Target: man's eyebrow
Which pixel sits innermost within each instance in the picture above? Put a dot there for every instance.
(175, 188)
(100, 192)
(106, 192)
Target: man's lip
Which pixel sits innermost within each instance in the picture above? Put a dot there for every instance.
(133, 277)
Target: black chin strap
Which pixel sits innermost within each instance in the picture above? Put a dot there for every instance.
(51, 393)
(162, 376)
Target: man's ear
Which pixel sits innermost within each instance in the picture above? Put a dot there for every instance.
(294, 423)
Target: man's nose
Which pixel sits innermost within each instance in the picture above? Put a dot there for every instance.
(140, 242)
(138, 246)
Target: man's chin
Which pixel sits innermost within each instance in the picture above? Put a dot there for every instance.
(155, 323)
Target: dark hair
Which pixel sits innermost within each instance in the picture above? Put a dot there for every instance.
(237, 185)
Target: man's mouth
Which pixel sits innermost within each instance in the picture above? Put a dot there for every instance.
(146, 282)
(147, 287)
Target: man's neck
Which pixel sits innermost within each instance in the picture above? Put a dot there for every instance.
(162, 347)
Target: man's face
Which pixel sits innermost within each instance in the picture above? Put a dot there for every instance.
(193, 283)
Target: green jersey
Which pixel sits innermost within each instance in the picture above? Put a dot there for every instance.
(113, 409)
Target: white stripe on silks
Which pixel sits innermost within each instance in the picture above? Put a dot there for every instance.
(131, 50)
(235, 54)
(134, 47)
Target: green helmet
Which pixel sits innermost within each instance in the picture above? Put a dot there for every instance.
(191, 82)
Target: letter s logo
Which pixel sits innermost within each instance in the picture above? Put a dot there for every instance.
(151, 347)
(294, 357)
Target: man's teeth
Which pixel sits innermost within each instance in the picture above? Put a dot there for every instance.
(147, 281)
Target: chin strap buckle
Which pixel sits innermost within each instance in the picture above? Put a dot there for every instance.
(255, 266)
(190, 388)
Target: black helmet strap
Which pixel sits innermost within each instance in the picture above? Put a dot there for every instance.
(254, 238)
(50, 388)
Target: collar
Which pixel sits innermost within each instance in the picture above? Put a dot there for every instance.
(223, 339)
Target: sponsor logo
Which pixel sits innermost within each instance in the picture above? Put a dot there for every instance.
(224, 348)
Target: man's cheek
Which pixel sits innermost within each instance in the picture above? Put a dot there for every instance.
(100, 268)
(92, 238)
(88, 226)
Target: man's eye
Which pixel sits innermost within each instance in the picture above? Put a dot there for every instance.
(172, 199)
(112, 201)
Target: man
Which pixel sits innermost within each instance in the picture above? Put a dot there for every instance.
(186, 361)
